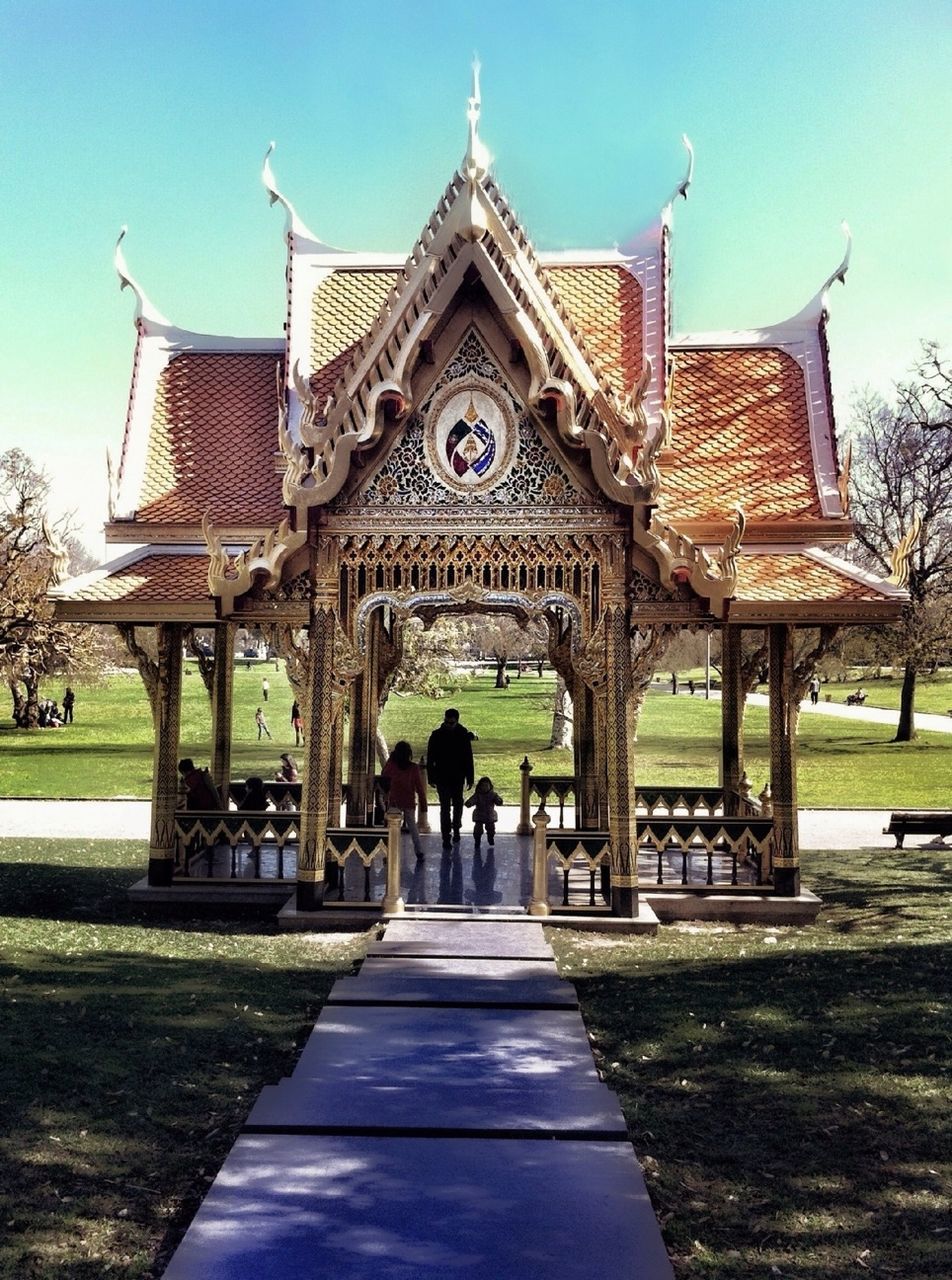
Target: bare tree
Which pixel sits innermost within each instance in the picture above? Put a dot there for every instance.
(901, 474)
(33, 644)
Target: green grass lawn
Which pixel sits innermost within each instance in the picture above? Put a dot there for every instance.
(787, 1090)
(132, 1052)
(108, 751)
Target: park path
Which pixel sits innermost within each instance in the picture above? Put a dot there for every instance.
(129, 820)
(445, 1118)
(838, 710)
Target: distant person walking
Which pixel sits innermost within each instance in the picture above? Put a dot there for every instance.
(69, 701)
(297, 723)
(265, 690)
(262, 724)
(449, 764)
(815, 690)
(403, 783)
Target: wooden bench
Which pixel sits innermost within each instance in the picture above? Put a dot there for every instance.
(921, 823)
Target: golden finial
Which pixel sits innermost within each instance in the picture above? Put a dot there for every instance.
(471, 414)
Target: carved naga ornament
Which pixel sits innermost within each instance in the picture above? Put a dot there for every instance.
(232, 576)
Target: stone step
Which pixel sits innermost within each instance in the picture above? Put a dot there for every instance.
(458, 981)
(481, 1046)
(583, 1108)
(475, 938)
(362, 1208)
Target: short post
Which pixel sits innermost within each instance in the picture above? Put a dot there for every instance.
(539, 903)
(525, 826)
(766, 801)
(423, 817)
(393, 904)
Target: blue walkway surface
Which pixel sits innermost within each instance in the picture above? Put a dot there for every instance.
(445, 1119)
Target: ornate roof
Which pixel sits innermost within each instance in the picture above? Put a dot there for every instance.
(234, 439)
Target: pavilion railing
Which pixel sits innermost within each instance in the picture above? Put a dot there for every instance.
(257, 847)
(681, 853)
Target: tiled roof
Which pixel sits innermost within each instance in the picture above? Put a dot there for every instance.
(604, 301)
(212, 441)
(343, 309)
(793, 576)
(152, 579)
(606, 304)
(740, 435)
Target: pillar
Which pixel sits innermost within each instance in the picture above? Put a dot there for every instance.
(319, 752)
(168, 714)
(783, 762)
(337, 764)
(587, 778)
(364, 711)
(619, 736)
(732, 710)
(222, 687)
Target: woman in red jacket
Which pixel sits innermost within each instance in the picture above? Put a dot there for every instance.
(404, 785)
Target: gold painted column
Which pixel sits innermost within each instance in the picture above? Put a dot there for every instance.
(363, 731)
(587, 777)
(222, 689)
(783, 762)
(619, 738)
(732, 751)
(318, 758)
(165, 754)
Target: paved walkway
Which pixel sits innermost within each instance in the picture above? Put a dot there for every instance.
(129, 820)
(838, 710)
(445, 1119)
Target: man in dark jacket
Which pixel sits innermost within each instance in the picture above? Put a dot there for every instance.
(449, 764)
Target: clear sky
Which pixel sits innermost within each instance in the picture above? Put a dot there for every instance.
(158, 115)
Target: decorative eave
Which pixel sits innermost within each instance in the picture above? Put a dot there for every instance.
(231, 572)
(710, 572)
(472, 227)
(802, 337)
(770, 532)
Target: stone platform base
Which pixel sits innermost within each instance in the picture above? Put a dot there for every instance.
(737, 908)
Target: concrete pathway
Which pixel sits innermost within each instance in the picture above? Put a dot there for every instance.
(837, 710)
(406, 1144)
(129, 820)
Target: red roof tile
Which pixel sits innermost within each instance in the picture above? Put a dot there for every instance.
(607, 306)
(793, 576)
(212, 441)
(155, 579)
(740, 435)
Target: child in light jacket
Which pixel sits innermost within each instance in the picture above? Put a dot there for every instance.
(483, 802)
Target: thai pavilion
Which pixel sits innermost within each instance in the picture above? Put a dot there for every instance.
(484, 428)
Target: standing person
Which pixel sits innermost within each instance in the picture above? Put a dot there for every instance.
(403, 783)
(815, 689)
(483, 803)
(69, 700)
(265, 688)
(449, 762)
(297, 723)
(262, 724)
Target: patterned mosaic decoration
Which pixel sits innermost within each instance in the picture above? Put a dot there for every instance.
(446, 457)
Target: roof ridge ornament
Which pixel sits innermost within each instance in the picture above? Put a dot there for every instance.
(293, 224)
(684, 185)
(477, 159)
(817, 310)
(146, 311)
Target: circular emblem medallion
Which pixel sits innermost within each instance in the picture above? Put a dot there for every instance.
(470, 436)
